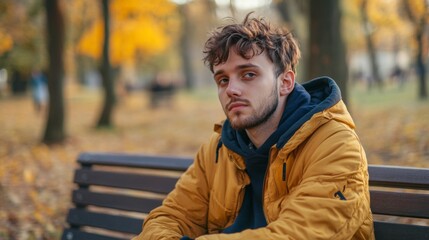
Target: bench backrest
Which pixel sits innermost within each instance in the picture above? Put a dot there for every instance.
(402, 192)
(115, 191)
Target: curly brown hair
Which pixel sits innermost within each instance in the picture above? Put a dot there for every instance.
(253, 37)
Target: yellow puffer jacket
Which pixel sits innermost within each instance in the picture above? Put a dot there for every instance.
(316, 187)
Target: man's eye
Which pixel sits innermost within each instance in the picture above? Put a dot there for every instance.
(249, 75)
(222, 81)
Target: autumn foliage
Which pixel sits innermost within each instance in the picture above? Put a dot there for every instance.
(142, 28)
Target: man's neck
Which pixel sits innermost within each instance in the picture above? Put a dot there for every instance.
(259, 134)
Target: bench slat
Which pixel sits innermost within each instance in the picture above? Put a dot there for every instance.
(144, 182)
(115, 201)
(81, 217)
(400, 204)
(399, 177)
(397, 231)
(134, 160)
(73, 234)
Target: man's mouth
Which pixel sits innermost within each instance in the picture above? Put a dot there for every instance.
(234, 105)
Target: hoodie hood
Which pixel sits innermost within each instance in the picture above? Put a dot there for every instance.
(303, 102)
(312, 97)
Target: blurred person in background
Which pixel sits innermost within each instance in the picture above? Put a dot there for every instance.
(39, 90)
(285, 164)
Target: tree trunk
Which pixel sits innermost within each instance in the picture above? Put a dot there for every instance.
(420, 61)
(185, 47)
(108, 84)
(54, 131)
(419, 23)
(295, 15)
(327, 50)
(370, 46)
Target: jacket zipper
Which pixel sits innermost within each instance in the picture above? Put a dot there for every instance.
(284, 172)
(263, 187)
(266, 179)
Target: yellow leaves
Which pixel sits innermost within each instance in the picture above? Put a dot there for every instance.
(42, 210)
(28, 176)
(418, 8)
(137, 35)
(6, 42)
(91, 43)
(42, 154)
(136, 8)
(386, 22)
(136, 27)
(383, 12)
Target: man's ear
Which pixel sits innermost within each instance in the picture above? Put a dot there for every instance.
(287, 82)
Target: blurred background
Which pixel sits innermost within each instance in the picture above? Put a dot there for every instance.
(127, 76)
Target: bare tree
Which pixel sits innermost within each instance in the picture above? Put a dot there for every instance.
(54, 131)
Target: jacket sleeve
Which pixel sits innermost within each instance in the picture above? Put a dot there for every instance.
(330, 202)
(184, 211)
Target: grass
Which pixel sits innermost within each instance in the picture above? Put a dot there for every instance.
(390, 94)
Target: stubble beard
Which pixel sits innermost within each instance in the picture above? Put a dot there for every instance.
(257, 117)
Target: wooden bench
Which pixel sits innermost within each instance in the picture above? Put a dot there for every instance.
(115, 191)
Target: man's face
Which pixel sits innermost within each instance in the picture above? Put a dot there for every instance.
(247, 89)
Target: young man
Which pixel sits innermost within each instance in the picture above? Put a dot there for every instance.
(285, 164)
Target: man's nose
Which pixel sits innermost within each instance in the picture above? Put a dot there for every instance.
(234, 88)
